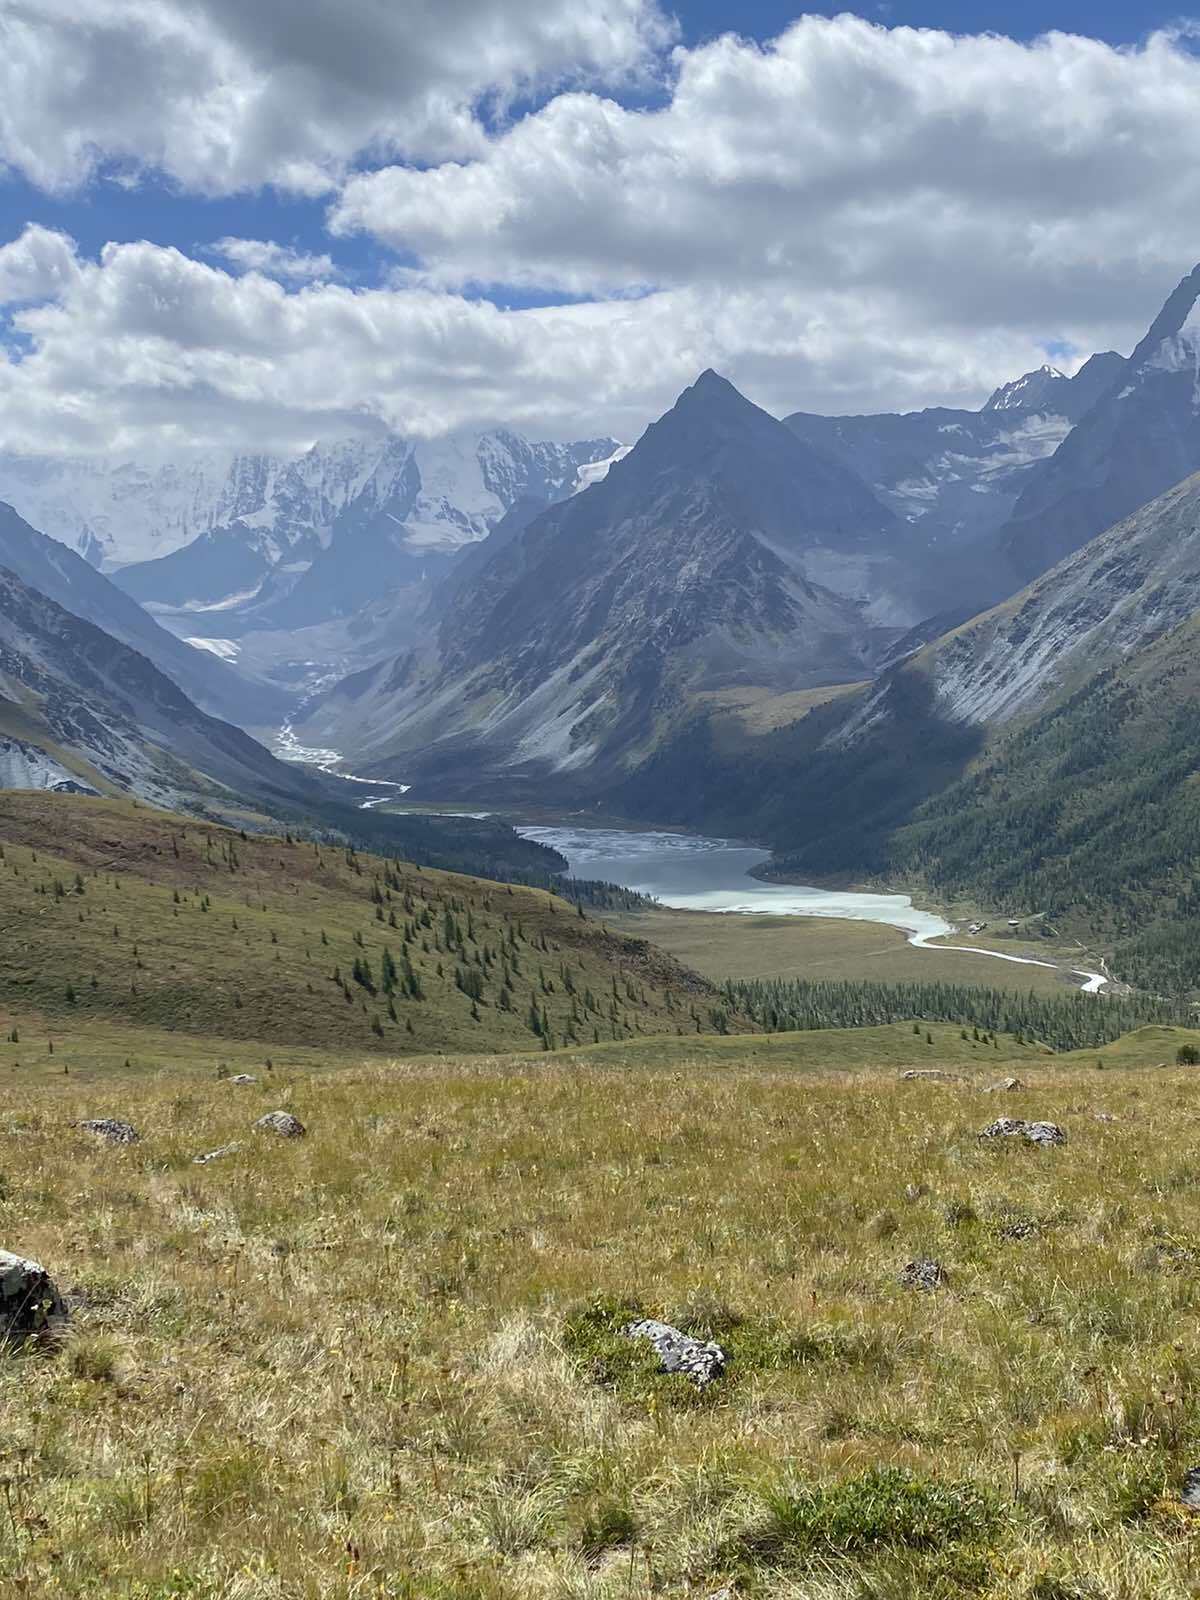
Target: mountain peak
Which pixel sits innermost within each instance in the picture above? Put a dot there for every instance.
(1172, 319)
(711, 389)
(1028, 392)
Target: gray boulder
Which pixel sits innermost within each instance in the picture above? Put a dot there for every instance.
(282, 1123)
(697, 1359)
(243, 1077)
(110, 1130)
(922, 1273)
(1043, 1133)
(30, 1305)
(1190, 1494)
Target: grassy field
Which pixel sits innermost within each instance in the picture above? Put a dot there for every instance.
(382, 1360)
(112, 912)
(736, 946)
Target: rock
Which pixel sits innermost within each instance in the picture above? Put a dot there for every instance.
(110, 1130)
(922, 1274)
(30, 1305)
(1045, 1133)
(933, 1074)
(1190, 1494)
(215, 1155)
(282, 1123)
(914, 1192)
(697, 1359)
(1004, 1085)
(1017, 1228)
(1018, 1128)
(243, 1077)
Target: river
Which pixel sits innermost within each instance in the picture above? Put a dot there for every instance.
(289, 748)
(687, 872)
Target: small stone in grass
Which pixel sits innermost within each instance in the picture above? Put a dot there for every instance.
(922, 1273)
(1004, 1085)
(914, 1192)
(110, 1130)
(30, 1304)
(215, 1155)
(1018, 1128)
(933, 1074)
(243, 1077)
(1190, 1494)
(282, 1123)
(697, 1359)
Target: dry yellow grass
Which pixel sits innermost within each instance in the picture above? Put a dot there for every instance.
(349, 1366)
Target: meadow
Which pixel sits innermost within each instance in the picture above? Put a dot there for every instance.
(739, 946)
(383, 1360)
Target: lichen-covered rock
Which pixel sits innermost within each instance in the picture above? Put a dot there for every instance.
(697, 1359)
(215, 1155)
(1190, 1493)
(110, 1129)
(282, 1123)
(1005, 1086)
(1018, 1128)
(30, 1305)
(1045, 1133)
(923, 1273)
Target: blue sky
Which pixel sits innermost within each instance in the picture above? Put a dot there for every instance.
(406, 215)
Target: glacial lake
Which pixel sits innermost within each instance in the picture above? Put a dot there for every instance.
(690, 873)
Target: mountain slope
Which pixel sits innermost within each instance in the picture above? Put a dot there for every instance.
(201, 929)
(1043, 758)
(66, 578)
(1141, 437)
(75, 688)
(721, 550)
(958, 474)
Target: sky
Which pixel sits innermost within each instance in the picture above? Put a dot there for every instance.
(251, 227)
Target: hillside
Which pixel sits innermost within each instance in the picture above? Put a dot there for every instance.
(79, 690)
(1091, 812)
(384, 1359)
(115, 912)
(71, 582)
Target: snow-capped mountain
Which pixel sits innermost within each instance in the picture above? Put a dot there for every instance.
(211, 528)
(958, 474)
(1141, 437)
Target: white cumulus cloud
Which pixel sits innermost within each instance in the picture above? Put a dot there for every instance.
(221, 95)
(274, 260)
(848, 218)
